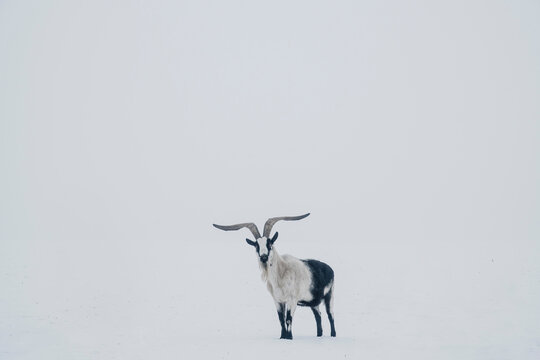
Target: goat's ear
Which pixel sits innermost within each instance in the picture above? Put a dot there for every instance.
(274, 238)
(252, 243)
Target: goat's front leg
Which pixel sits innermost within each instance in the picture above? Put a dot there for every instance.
(289, 313)
(281, 315)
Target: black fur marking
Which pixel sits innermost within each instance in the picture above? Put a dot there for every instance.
(288, 321)
(269, 243)
(257, 248)
(318, 320)
(322, 276)
(274, 238)
(281, 316)
(283, 319)
(327, 300)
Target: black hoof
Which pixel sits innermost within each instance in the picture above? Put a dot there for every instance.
(286, 336)
(319, 334)
(333, 334)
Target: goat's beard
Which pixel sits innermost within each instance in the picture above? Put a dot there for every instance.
(264, 270)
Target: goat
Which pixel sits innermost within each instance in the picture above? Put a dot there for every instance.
(289, 280)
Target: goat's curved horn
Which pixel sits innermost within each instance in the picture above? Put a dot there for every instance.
(270, 222)
(251, 226)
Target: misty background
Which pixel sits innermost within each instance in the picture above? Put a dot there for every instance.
(410, 131)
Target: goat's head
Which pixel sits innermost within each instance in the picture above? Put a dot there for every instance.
(263, 244)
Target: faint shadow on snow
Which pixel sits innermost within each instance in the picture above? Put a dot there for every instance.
(317, 340)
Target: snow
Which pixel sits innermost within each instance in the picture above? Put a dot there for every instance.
(409, 131)
(162, 304)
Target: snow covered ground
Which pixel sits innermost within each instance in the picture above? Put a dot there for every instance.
(409, 130)
(166, 304)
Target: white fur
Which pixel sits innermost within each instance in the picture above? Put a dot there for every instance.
(328, 287)
(263, 250)
(287, 278)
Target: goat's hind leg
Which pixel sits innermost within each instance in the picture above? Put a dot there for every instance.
(329, 303)
(317, 314)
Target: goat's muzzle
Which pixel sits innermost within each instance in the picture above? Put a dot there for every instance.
(263, 258)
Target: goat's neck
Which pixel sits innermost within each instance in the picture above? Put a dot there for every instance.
(272, 267)
(276, 260)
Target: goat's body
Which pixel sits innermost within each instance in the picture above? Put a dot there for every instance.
(322, 282)
(288, 279)
(293, 282)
